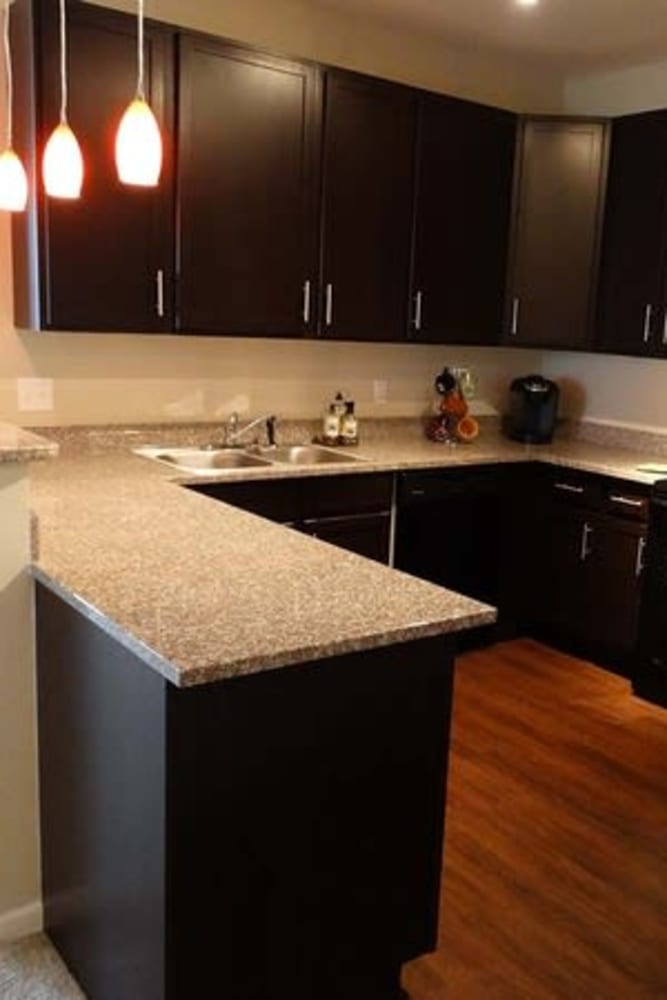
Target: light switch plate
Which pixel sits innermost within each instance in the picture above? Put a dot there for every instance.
(34, 394)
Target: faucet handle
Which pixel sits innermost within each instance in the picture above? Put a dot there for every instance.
(271, 430)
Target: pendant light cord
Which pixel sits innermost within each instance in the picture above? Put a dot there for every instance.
(63, 65)
(140, 51)
(9, 128)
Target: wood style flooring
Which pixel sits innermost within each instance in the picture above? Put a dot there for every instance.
(555, 885)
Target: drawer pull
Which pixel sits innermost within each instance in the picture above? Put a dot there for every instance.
(514, 329)
(569, 488)
(626, 501)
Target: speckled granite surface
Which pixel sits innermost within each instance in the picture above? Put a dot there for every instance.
(18, 445)
(203, 591)
(31, 969)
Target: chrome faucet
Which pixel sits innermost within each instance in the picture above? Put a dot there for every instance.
(233, 432)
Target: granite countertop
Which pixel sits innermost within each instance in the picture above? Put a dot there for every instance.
(18, 445)
(203, 591)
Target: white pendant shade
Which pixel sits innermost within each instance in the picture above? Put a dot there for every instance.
(13, 182)
(62, 166)
(139, 146)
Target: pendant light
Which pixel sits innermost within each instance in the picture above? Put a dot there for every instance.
(138, 141)
(13, 178)
(62, 165)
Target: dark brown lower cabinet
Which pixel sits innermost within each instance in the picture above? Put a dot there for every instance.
(573, 561)
(273, 837)
(366, 534)
(351, 511)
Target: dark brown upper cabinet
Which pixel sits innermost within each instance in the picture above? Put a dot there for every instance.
(631, 316)
(248, 191)
(369, 144)
(103, 262)
(558, 204)
(464, 195)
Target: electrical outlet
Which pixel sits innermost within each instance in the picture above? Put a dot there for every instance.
(34, 394)
(380, 390)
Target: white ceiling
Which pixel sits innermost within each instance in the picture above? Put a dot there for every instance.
(574, 34)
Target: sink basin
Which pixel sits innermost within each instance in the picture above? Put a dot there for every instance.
(307, 454)
(654, 468)
(203, 460)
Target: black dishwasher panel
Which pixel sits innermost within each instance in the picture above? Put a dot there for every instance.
(449, 529)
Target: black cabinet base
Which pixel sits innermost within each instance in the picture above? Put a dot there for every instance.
(272, 837)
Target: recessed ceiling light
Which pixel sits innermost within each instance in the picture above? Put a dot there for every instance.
(527, 3)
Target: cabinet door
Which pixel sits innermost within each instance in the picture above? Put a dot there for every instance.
(563, 570)
(617, 562)
(558, 205)
(365, 534)
(248, 144)
(369, 144)
(629, 321)
(105, 261)
(466, 154)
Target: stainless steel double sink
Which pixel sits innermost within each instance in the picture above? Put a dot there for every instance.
(213, 461)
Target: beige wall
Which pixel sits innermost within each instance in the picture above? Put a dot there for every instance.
(20, 910)
(615, 390)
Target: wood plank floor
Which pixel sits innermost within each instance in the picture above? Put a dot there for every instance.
(555, 885)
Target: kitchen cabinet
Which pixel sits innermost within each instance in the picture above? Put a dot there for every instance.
(273, 836)
(351, 511)
(248, 191)
(103, 262)
(632, 318)
(558, 205)
(464, 194)
(367, 202)
(582, 562)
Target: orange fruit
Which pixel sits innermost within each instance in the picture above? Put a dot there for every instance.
(467, 429)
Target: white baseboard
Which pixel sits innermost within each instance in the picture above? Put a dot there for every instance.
(21, 922)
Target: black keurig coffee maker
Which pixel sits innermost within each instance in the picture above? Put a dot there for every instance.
(533, 410)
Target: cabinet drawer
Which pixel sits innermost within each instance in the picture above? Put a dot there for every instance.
(332, 496)
(574, 488)
(629, 504)
(277, 499)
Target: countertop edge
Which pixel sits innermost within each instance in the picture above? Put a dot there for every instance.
(249, 666)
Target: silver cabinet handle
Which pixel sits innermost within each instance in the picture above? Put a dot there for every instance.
(639, 563)
(306, 302)
(626, 501)
(568, 488)
(328, 308)
(664, 330)
(159, 292)
(419, 300)
(514, 329)
(648, 315)
(585, 549)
